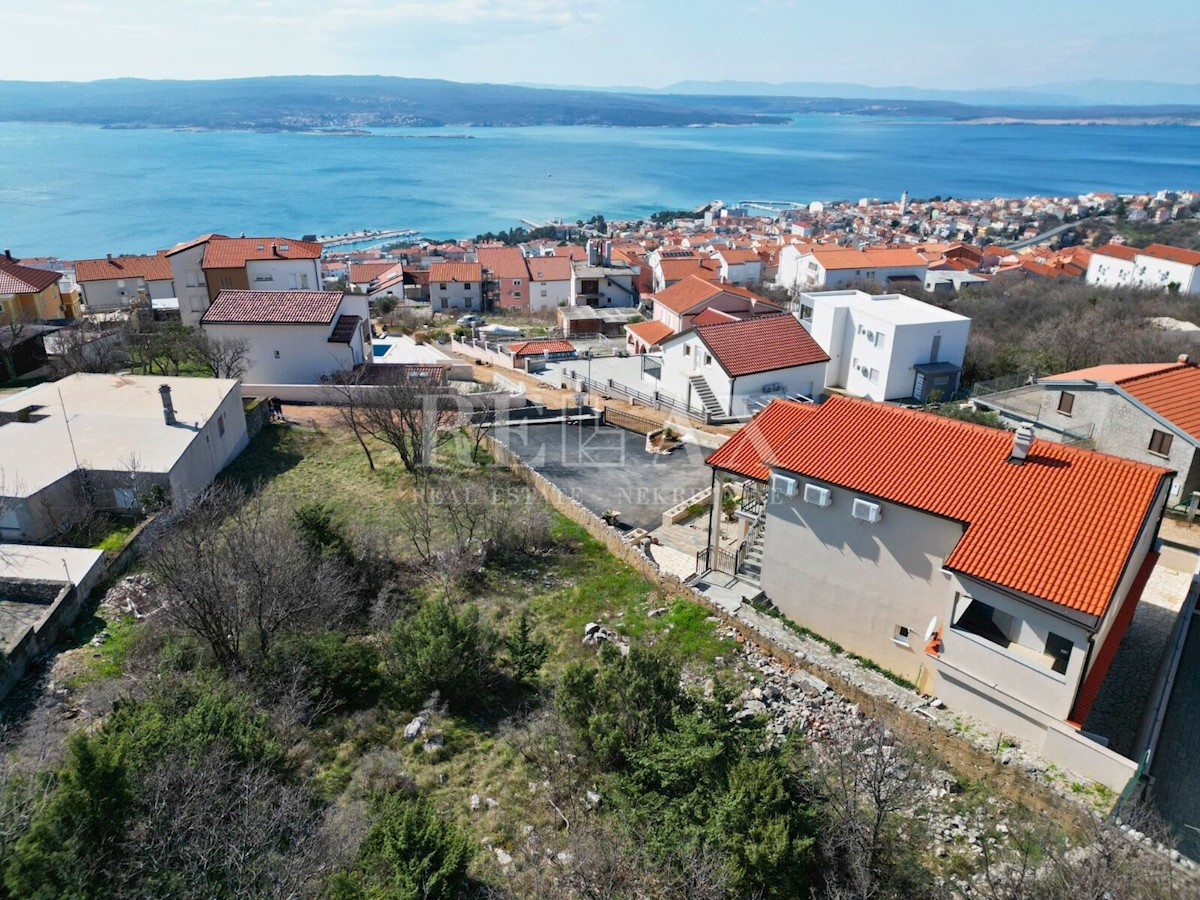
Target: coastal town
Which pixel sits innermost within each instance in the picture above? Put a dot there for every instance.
(831, 483)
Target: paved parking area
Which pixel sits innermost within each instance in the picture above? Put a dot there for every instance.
(608, 468)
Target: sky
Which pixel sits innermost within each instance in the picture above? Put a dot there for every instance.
(649, 43)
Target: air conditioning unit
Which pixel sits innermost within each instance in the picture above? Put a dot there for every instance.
(866, 510)
(783, 486)
(816, 495)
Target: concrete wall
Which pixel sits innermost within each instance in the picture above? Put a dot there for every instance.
(284, 274)
(210, 451)
(463, 296)
(1123, 429)
(806, 380)
(190, 284)
(854, 582)
(106, 294)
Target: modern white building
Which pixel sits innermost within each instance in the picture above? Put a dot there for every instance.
(1157, 266)
(549, 282)
(735, 367)
(742, 267)
(887, 346)
(293, 337)
(103, 442)
(117, 281)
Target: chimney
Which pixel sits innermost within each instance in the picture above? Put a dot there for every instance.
(1022, 441)
(8, 255)
(164, 391)
(109, 257)
(1183, 359)
(274, 250)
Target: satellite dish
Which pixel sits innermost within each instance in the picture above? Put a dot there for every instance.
(931, 629)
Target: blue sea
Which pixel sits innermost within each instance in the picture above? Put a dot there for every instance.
(76, 191)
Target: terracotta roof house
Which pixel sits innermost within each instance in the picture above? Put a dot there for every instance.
(506, 278)
(456, 286)
(645, 337)
(669, 269)
(679, 304)
(532, 355)
(363, 275)
(1157, 266)
(115, 282)
(28, 294)
(291, 337)
(731, 369)
(212, 263)
(549, 282)
(741, 266)
(1148, 412)
(997, 571)
(829, 266)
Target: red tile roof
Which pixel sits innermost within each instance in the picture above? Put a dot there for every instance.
(737, 256)
(1109, 374)
(504, 262)
(1090, 689)
(1061, 526)
(18, 279)
(466, 272)
(537, 348)
(194, 242)
(710, 316)
(549, 268)
(150, 268)
(364, 273)
(1174, 254)
(761, 345)
(833, 258)
(678, 269)
(650, 333)
(234, 253)
(693, 290)
(1173, 393)
(761, 438)
(280, 307)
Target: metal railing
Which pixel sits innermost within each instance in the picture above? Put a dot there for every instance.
(658, 399)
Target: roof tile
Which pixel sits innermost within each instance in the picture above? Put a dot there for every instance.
(278, 307)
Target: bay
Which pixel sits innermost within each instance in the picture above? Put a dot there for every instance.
(76, 191)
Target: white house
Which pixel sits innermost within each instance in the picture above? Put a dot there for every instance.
(293, 337)
(1157, 266)
(362, 276)
(997, 572)
(456, 286)
(739, 266)
(106, 442)
(549, 282)
(600, 284)
(204, 267)
(807, 266)
(1113, 265)
(117, 281)
(734, 367)
(887, 346)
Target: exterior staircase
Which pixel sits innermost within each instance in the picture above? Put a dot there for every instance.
(712, 405)
(752, 556)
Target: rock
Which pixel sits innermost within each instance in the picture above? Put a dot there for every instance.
(655, 613)
(490, 803)
(754, 707)
(812, 685)
(593, 799)
(443, 778)
(474, 802)
(434, 744)
(415, 728)
(719, 662)
(564, 857)
(936, 703)
(503, 857)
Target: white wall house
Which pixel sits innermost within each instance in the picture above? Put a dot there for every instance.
(887, 346)
(549, 282)
(456, 286)
(735, 368)
(678, 305)
(828, 266)
(740, 267)
(602, 285)
(115, 282)
(294, 337)
(1157, 266)
(132, 434)
(187, 273)
(906, 538)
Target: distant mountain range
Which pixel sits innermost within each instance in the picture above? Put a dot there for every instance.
(347, 103)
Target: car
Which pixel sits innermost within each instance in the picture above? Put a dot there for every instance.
(471, 321)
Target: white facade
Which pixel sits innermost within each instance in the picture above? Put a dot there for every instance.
(284, 275)
(1147, 270)
(547, 296)
(800, 268)
(1110, 271)
(295, 353)
(602, 286)
(190, 286)
(744, 274)
(456, 295)
(118, 293)
(875, 342)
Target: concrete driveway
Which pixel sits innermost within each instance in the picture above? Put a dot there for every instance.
(608, 468)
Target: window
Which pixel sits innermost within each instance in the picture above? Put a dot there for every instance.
(1160, 443)
(195, 304)
(277, 354)
(543, 292)
(708, 359)
(442, 286)
(120, 282)
(518, 293)
(879, 339)
(221, 425)
(295, 282)
(190, 277)
(874, 376)
(1066, 403)
(226, 281)
(985, 621)
(687, 349)
(9, 520)
(1058, 649)
(124, 498)
(901, 636)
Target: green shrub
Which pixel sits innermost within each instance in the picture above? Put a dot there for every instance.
(526, 653)
(333, 667)
(410, 853)
(438, 649)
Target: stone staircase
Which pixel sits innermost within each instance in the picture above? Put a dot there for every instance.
(712, 405)
(751, 568)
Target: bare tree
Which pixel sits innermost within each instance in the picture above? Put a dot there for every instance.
(237, 574)
(85, 348)
(213, 827)
(403, 408)
(224, 357)
(15, 328)
(348, 384)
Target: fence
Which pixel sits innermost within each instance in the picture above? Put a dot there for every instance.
(630, 422)
(657, 399)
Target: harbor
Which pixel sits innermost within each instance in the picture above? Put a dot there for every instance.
(367, 237)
